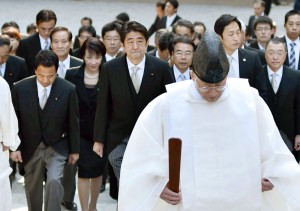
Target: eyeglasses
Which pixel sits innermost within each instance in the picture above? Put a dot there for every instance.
(278, 53)
(205, 89)
(84, 37)
(110, 39)
(260, 29)
(181, 53)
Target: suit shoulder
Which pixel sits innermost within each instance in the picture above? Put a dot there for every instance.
(25, 82)
(64, 83)
(15, 59)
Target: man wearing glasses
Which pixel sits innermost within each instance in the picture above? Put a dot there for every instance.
(283, 86)
(181, 50)
(232, 152)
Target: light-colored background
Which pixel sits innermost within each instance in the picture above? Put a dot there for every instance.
(70, 12)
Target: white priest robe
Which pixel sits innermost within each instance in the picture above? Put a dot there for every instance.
(227, 148)
(8, 137)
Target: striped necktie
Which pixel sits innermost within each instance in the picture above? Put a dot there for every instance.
(292, 58)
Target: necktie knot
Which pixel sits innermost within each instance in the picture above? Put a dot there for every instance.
(135, 79)
(292, 44)
(182, 77)
(61, 70)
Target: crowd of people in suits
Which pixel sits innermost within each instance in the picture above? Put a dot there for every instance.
(79, 102)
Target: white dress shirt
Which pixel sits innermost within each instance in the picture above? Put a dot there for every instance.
(2, 69)
(235, 63)
(170, 20)
(42, 42)
(40, 90)
(278, 77)
(108, 57)
(66, 63)
(141, 66)
(177, 74)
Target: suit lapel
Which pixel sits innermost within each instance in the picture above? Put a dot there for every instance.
(33, 100)
(8, 74)
(242, 60)
(54, 97)
(284, 86)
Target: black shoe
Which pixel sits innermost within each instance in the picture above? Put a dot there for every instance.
(69, 205)
(102, 188)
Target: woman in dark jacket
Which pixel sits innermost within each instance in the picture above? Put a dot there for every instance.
(90, 165)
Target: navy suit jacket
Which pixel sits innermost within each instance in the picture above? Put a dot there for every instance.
(286, 62)
(116, 111)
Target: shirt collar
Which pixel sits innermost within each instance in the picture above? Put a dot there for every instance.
(235, 55)
(177, 73)
(288, 41)
(108, 57)
(42, 41)
(141, 65)
(41, 88)
(278, 72)
(66, 62)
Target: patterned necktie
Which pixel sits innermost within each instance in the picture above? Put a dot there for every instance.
(46, 45)
(292, 58)
(43, 99)
(135, 79)
(274, 82)
(182, 77)
(231, 72)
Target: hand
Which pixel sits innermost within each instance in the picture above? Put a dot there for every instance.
(266, 185)
(4, 148)
(297, 143)
(170, 197)
(98, 148)
(73, 158)
(16, 156)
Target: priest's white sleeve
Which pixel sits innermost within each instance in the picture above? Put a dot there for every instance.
(8, 120)
(278, 164)
(144, 171)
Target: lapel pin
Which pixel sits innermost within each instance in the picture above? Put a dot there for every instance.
(244, 59)
(56, 98)
(152, 74)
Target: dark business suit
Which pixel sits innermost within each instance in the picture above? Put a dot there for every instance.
(56, 127)
(163, 21)
(152, 53)
(285, 104)
(287, 62)
(154, 27)
(15, 70)
(261, 54)
(250, 68)
(69, 180)
(254, 45)
(251, 26)
(28, 49)
(118, 104)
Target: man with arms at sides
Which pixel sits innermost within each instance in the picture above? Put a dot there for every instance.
(49, 131)
(181, 50)
(9, 140)
(213, 104)
(128, 84)
(243, 63)
(30, 46)
(162, 51)
(160, 12)
(12, 68)
(263, 29)
(111, 39)
(292, 40)
(283, 85)
(259, 8)
(61, 41)
(171, 16)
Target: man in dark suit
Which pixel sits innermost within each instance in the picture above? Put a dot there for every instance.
(61, 41)
(243, 63)
(30, 46)
(160, 12)
(181, 50)
(162, 50)
(263, 29)
(12, 68)
(292, 40)
(259, 8)
(171, 16)
(46, 107)
(128, 84)
(283, 86)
